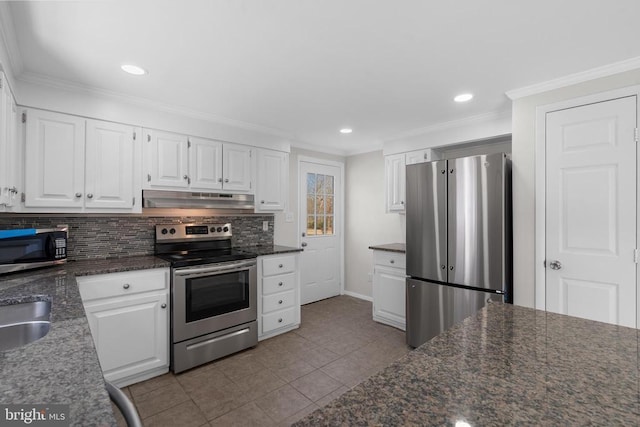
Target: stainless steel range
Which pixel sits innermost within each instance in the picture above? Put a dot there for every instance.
(213, 293)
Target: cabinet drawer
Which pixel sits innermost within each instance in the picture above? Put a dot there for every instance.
(278, 301)
(278, 265)
(278, 283)
(278, 319)
(120, 284)
(389, 259)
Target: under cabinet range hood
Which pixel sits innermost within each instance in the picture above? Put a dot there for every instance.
(242, 203)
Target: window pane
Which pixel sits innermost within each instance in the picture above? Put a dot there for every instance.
(319, 225)
(328, 184)
(311, 183)
(310, 205)
(329, 224)
(319, 184)
(311, 227)
(329, 205)
(319, 205)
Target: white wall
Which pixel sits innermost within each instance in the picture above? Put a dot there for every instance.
(523, 155)
(366, 221)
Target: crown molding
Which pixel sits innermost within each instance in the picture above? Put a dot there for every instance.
(8, 36)
(453, 124)
(42, 80)
(319, 148)
(571, 79)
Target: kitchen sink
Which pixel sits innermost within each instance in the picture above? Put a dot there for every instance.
(23, 323)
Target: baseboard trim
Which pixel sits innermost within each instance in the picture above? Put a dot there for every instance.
(357, 295)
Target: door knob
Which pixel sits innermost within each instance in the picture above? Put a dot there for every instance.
(555, 265)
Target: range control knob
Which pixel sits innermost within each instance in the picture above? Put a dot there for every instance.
(219, 229)
(172, 231)
(212, 229)
(226, 229)
(164, 231)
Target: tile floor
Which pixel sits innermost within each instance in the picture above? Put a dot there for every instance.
(281, 380)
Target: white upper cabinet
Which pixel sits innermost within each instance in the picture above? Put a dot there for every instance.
(205, 164)
(109, 172)
(8, 147)
(57, 174)
(236, 167)
(168, 157)
(177, 162)
(395, 176)
(272, 184)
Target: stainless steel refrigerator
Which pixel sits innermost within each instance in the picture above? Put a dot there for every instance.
(459, 255)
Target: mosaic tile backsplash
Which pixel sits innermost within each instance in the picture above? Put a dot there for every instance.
(119, 236)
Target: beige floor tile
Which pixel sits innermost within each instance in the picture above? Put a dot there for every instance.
(247, 415)
(214, 402)
(186, 414)
(294, 370)
(316, 385)
(197, 379)
(298, 415)
(346, 371)
(152, 384)
(333, 395)
(160, 399)
(259, 384)
(240, 365)
(283, 403)
(318, 356)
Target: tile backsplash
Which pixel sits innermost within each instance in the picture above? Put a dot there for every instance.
(92, 237)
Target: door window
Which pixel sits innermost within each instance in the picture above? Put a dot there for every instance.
(320, 204)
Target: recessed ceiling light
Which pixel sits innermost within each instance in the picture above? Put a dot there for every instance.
(346, 130)
(463, 97)
(133, 69)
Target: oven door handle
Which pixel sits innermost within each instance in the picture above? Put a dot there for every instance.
(188, 271)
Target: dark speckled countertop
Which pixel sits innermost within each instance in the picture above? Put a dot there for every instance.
(507, 365)
(390, 247)
(270, 250)
(62, 367)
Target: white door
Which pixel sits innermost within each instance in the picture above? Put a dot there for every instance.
(205, 164)
(236, 167)
(591, 211)
(320, 207)
(169, 156)
(54, 160)
(111, 152)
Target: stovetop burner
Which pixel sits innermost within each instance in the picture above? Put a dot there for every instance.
(197, 244)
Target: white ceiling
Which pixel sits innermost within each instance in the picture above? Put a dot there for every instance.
(306, 68)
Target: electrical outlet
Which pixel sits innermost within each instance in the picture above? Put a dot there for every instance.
(265, 225)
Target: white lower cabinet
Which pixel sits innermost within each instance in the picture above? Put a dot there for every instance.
(389, 288)
(278, 294)
(128, 316)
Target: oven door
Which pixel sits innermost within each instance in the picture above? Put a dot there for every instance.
(213, 297)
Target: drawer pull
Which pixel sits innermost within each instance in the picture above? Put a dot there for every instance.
(280, 320)
(126, 286)
(280, 284)
(280, 302)
(392, 262)
(280, 265)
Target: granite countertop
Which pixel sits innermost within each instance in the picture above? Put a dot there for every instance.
(62, 367)
(390, 247)
(270, 250)
(507, 365)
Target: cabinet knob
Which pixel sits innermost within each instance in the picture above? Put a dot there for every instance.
(163, 306)
(185, 177)
(443, 266)
(280, 284)
(126, 286)
(280, 302)
(280, 320)
(78, 194)
(226, 180)
(402, 202)
(451, 267)
(262, 202)
(219, 179)
(392, 261)
(280, 266)
(90, 195)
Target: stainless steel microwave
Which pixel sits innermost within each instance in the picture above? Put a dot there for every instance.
(26, 248)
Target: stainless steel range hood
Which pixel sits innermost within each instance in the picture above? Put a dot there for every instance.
(243, 203)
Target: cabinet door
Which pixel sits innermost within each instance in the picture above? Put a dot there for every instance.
(13, 159)
(169, 155)
(205, 164)
(110, 154)
(394, 167)
(5, 162)
(54, 160)
(130, 334)
(389, 290)
(272, 184)
(236, 167)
